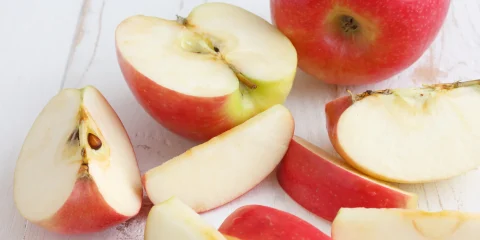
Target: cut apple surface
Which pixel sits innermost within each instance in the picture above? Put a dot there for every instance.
(409, 135)
(225, 167)
(174, 220)
(323, 184)
(402, 224)
(257, 222)
(203, 74)
(77, 170)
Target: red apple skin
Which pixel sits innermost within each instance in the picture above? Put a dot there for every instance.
(393, 35)
(194, 118)
(333, 110)
(323, 187)
(85, 211)
(257, 222)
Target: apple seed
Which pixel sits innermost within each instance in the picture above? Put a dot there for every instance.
(94, 142)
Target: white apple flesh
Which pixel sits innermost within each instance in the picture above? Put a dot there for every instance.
(403, 224)
(77, 171)
(174, 220)
(409, 135)
(204, 74)
(225, 167)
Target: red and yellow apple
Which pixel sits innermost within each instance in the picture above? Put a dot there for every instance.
(403, 224)
(411, 135)
(204, 74)
(323, 184)
(225, 167)
(257, 222)
(358, 41)
(77, 171)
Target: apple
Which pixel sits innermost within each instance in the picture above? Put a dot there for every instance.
(410, 135)
(225, 167)
(204, 74)
(257, 222)
(323, 184)
(402, 224)
(173, 219)
(77, 171)
(358, 41)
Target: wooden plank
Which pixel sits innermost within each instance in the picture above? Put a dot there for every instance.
(92, 60)
(34, 44)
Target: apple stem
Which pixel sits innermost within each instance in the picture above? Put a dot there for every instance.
(242, 78)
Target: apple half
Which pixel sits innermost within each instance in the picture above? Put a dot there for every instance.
(225, 167)
(323, 184)
(77, 171)
(413, 135)
(204, 74)
(257, 222)
(402, 224)
(174, 220)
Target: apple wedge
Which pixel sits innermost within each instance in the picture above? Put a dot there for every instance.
(172, 219)
(204, 74)
(257, 222)
(77, 171)
(414, 135)
(225, 167)
(323, 184)
(402, 224)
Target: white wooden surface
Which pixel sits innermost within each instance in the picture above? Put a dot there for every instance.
(53, 44)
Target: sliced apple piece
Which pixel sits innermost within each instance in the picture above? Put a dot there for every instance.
(412, 135)
(225, 167)
(323, 183)
(175, 220)
(204, 74)
(402, 224)
(77, 171)
(257, 222)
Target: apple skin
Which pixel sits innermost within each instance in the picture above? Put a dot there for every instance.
(393, 35)
(85, 211)
(257, 222)
(191, 117)
(323, 187)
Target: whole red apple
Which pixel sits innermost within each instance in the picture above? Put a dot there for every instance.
(358, 41)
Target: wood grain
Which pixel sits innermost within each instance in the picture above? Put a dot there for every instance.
(61, 44)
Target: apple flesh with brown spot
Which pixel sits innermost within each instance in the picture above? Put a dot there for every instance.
(77, 171)
(257, 222)
(204, 74)
(403, 224)
(323, 183)
(411, 135)
(358, 41)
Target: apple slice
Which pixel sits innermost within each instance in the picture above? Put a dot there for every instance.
(257, 222)
(77, 171)
(402, 224)
(204, 74)
(225, 167)
(323, 184)
(412, 135)
(174, 220)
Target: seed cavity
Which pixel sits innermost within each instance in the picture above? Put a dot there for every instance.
(75, 136)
